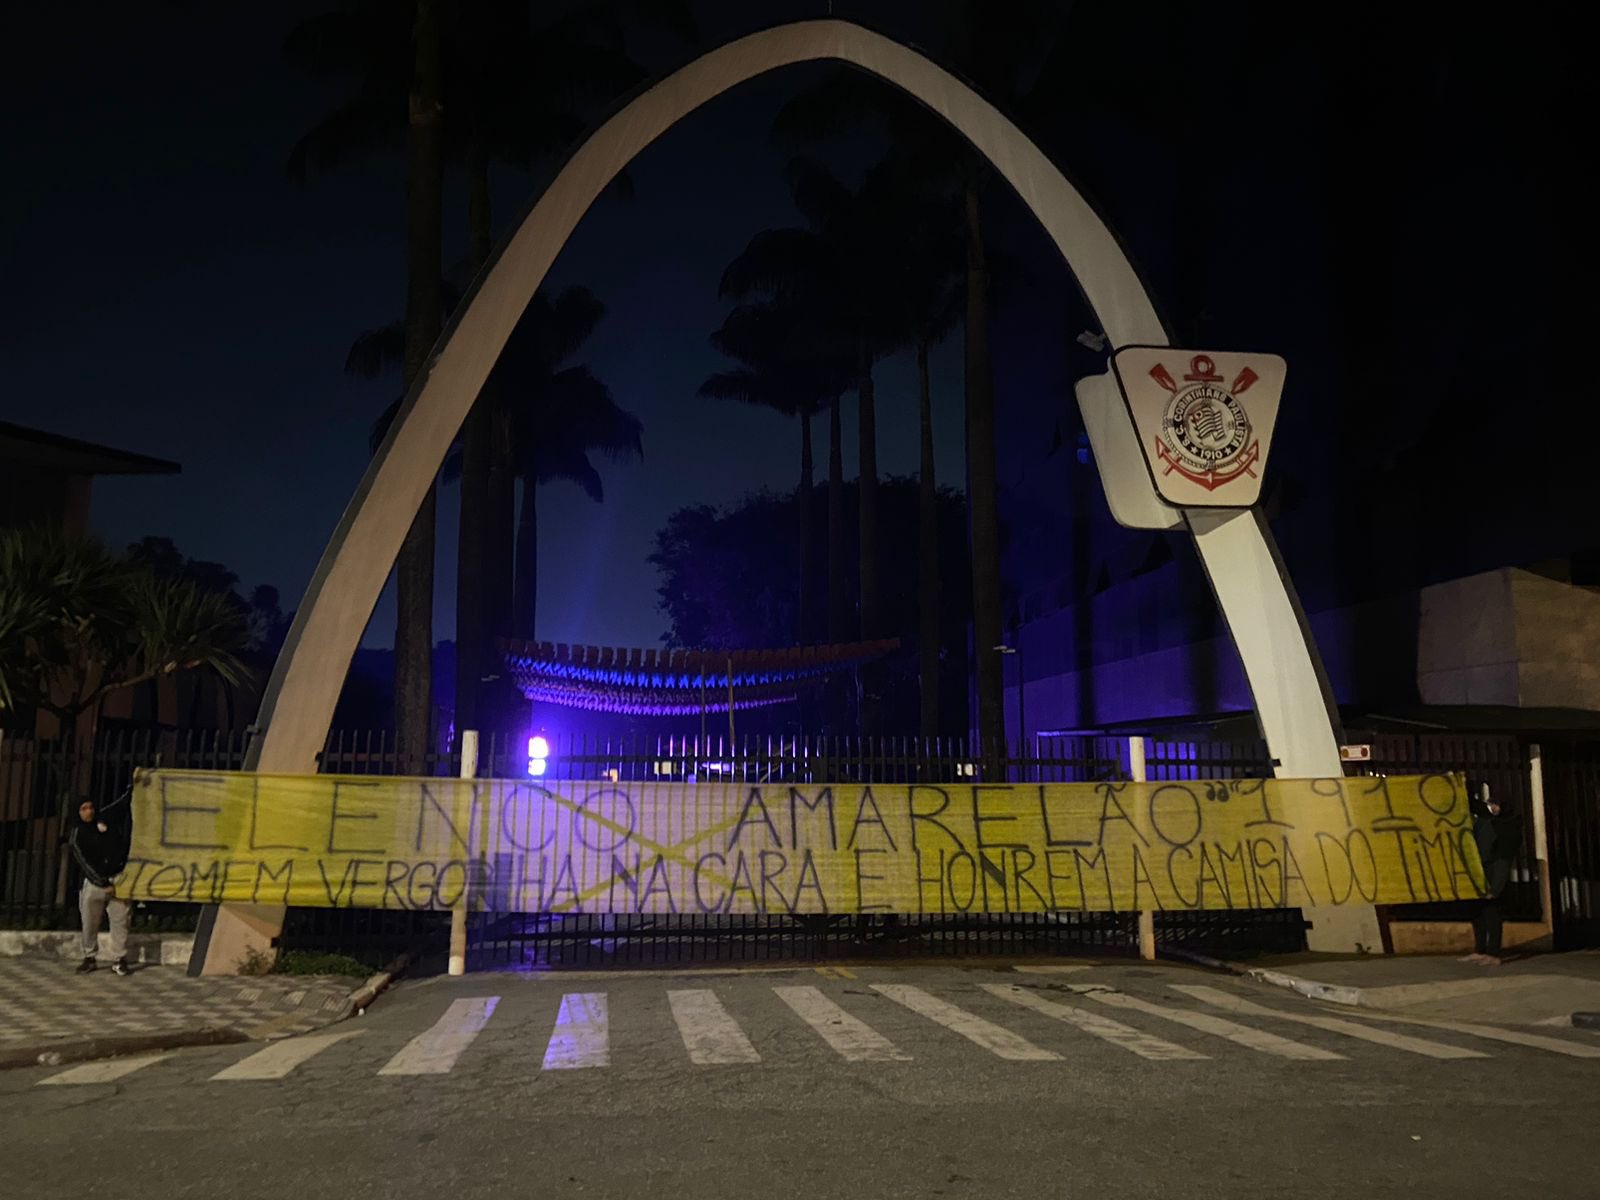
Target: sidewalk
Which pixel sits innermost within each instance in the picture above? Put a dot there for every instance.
(47, 1009)
(1539, 989)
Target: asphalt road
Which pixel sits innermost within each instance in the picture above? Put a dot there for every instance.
(1096, 1080)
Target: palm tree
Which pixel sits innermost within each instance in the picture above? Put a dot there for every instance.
(77, 623)
(519, 96)
(396, 52)
(514, 92)
(557, 413)
(843, 264)
(793, 367)
(995, 53)
(931, 249)
(561, 413)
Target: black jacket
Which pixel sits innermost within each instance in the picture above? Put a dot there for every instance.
(1499, 836)
(102, 856)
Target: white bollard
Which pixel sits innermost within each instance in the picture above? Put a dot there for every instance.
(458, 915)
(1147, 919)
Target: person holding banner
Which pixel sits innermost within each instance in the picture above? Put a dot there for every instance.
(99, 842)
(1497, 828)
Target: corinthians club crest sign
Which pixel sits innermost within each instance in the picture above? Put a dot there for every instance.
(1204, 420)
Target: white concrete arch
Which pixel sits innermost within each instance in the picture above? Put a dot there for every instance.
(1248, 580)
(1261, 614)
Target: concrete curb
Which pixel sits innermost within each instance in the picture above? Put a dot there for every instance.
(168, 949)
(310, 1014)
(52, 1054)
(362, 997)
(1332, 992)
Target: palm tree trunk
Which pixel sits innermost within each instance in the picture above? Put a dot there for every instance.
(982, 486)
(927, 555)
(526, 594)
(498, 534)
(413, 640)
(472, 647)
(836, 580)
(499, 526)
(867, 517)
(1083, 498)
(802, 501)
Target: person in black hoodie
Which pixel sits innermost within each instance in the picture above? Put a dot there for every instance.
(1497, 828)
(99, 843)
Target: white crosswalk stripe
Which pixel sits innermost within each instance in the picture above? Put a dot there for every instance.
(278, 1059)
(1243, 1035)
(853, 1038)
(582, 1036)
(1143, 1044)
(105, 1071)
(1493, 1033)
(711, 1033)
(1367, 1033)
(993, 1038)
(435, 1051)
(712, 1037)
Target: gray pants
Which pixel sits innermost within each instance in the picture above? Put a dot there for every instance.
(95, 902)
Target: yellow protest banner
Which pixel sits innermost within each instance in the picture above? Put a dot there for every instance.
(519, 846)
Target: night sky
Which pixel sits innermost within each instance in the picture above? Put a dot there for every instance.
(175, 294)
(168, 290)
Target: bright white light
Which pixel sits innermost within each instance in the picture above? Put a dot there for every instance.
(538, 747)
(536, 766)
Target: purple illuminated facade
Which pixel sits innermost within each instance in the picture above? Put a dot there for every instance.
(640, 682)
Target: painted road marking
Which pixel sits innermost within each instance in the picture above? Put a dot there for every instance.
(1399, 1041)
(435, 1051)
(1256, 1039)
(105, 1071)
(998, 1041)
(1538, 1041)
(1143, 1044)
(582, 1037)
(711, 1036)
(278, 1059)
(853, 1038)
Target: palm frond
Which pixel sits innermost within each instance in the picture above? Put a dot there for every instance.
(181, 626)
(575, 468)
(780, 262)
(376, 350)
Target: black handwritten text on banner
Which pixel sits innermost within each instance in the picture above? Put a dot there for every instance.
(365, 842)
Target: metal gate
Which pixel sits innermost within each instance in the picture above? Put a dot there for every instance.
(1571, 771)
(499, 940)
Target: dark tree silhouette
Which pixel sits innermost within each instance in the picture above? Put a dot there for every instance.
(796, 368)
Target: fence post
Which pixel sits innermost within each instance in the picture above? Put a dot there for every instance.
(1147, 918)
(458, 914)
(1541, 838)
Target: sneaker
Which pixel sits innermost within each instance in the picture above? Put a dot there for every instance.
(120, 967)
(86, 965)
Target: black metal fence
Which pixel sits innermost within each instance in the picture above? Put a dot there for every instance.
(1571, 773)
(39, 783)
